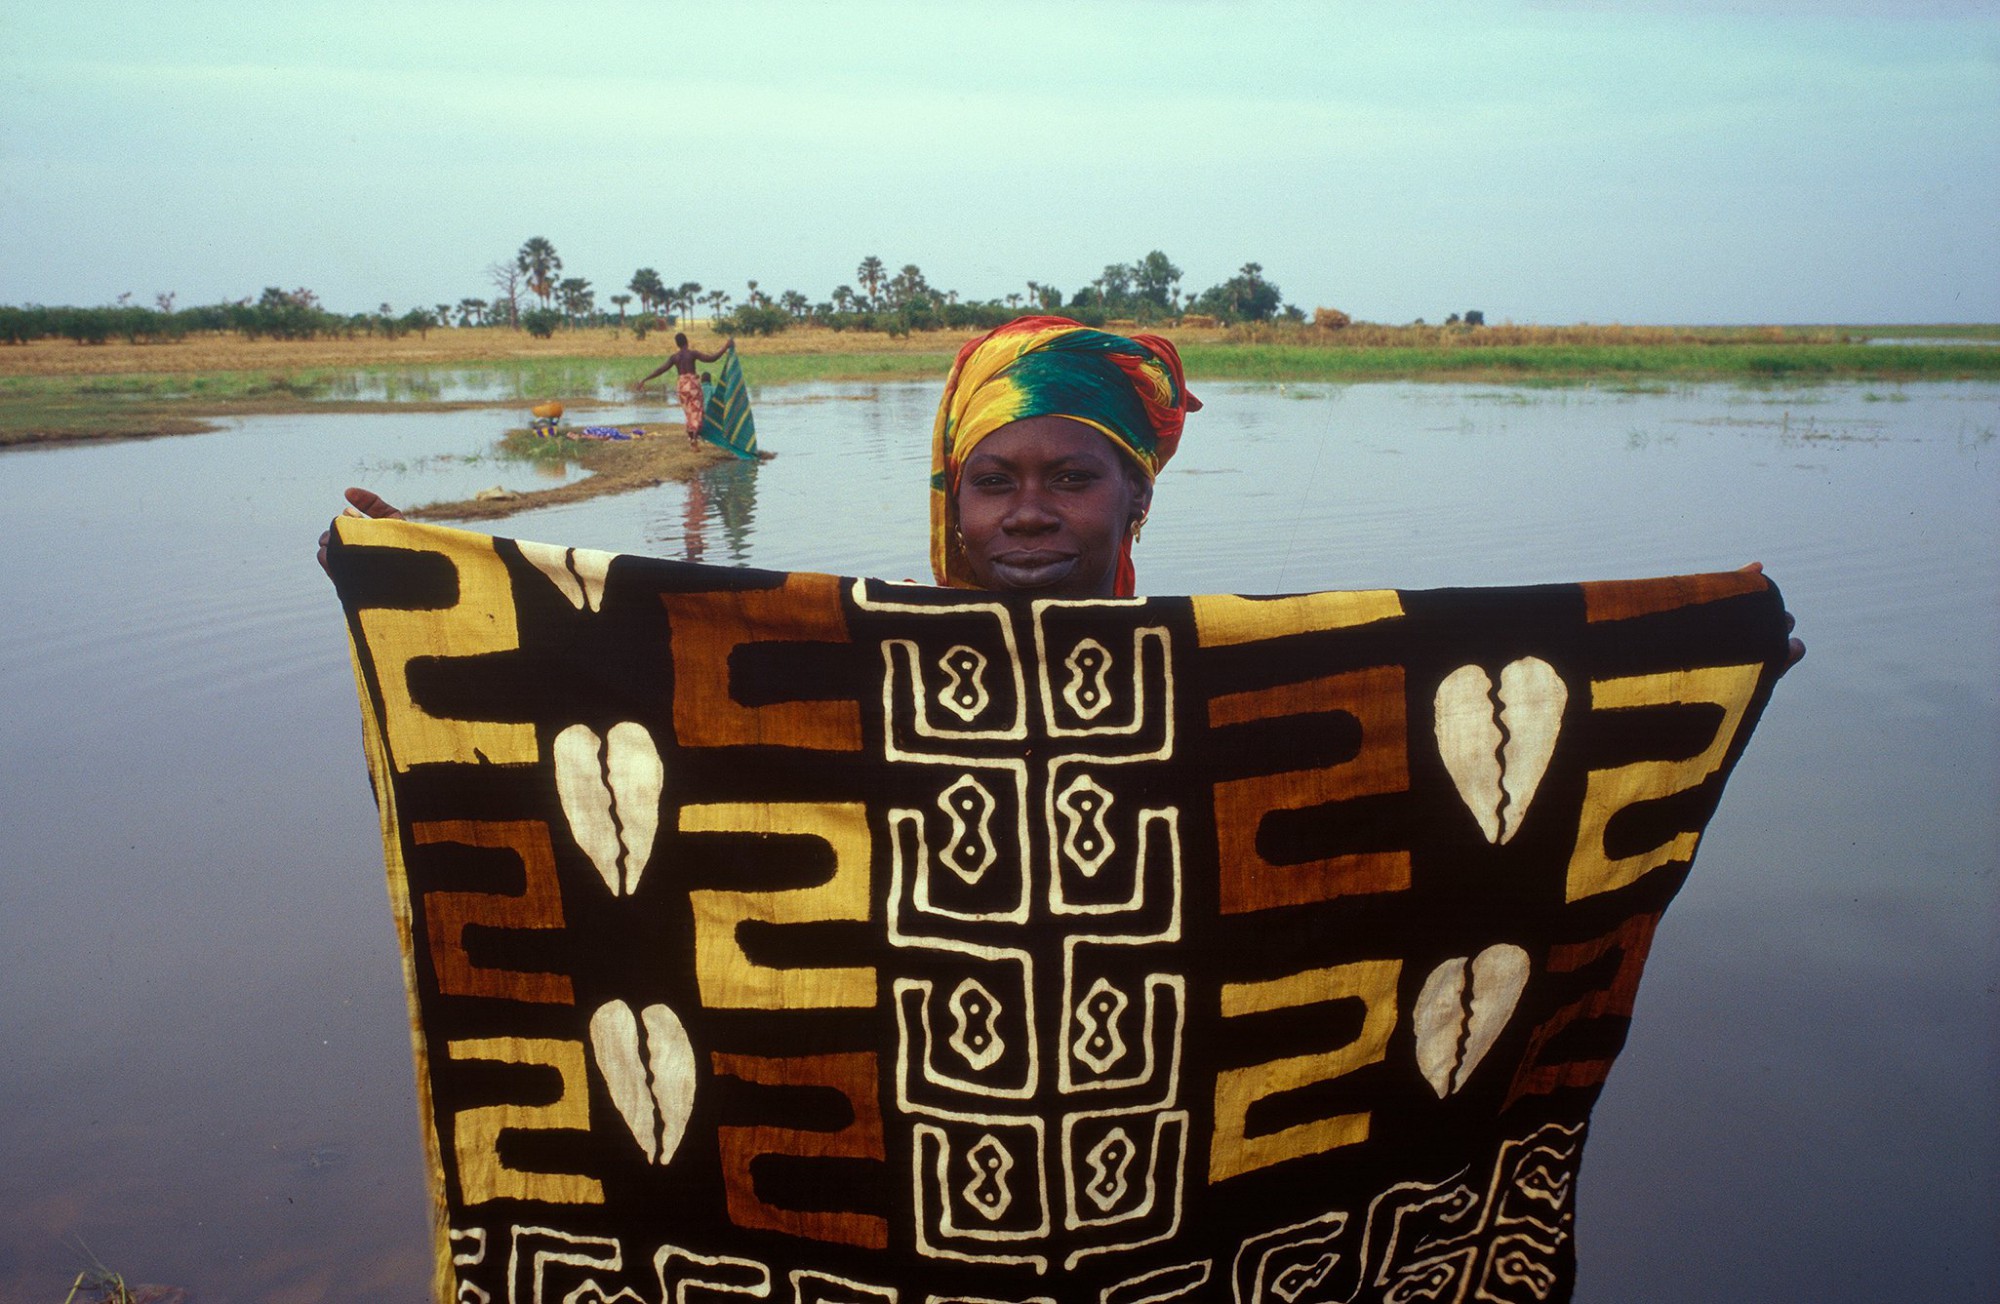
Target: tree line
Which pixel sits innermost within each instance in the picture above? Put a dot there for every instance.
(1147, 291)
(277, 314)
(529, 292)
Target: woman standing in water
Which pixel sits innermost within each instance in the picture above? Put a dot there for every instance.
(684, 360)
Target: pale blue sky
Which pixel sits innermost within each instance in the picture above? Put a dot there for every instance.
(1646, 160)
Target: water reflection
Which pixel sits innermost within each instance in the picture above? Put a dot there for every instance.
(208, 1075)
(721, 499)
(572, 378)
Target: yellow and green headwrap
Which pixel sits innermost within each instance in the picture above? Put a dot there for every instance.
(1130, 389)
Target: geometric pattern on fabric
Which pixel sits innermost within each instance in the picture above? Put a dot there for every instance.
(834, 941)
(729, 423)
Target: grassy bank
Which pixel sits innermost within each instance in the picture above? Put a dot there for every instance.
(55, 390)
(1585, 363)
(615, 468)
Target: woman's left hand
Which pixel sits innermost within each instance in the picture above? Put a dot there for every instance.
(1795, 648)
(360, 502)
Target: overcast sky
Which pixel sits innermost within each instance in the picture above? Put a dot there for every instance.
(1636, 160)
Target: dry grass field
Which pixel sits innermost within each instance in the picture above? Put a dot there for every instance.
(457, 346)
(467, 346)
(489, 345)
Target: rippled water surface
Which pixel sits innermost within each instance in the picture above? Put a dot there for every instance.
(207, 1074)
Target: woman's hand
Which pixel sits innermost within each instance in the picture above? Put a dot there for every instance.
(1795, 649)
(360, 502)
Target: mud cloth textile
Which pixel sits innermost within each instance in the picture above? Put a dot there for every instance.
(836, 942)
(729, 422)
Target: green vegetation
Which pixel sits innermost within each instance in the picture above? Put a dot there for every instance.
(793, 368)
(541, 322)
(1146, 292)
(1959, 332)
(50, 409)
(69, 406)
(35, 409)
(275, 315)
(1581, 364)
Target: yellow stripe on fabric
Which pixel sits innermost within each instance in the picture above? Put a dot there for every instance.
(444, 1282)
(1224, 620)
(481, 621)
(1592, 868)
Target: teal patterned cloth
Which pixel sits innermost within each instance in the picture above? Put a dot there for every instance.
(726, 417)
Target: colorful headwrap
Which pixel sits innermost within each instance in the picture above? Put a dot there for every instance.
(1129, 389)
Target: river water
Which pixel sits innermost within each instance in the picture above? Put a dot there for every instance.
(207, 1077)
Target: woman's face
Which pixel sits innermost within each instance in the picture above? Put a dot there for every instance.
(1044, 504)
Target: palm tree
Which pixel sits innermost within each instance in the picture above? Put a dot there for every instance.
(870, 274)
(647, 285)
(621, 300)
(794, 303)
(539, 264)
(685, 295)
(471, 312)
(906, 286)
(717, 301)
(843, 298)
(578, 299)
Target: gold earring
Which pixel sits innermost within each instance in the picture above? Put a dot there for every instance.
(1138, 524)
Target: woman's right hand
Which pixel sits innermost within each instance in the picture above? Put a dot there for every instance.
(360, 502)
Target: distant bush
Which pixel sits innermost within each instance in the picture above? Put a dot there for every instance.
(206, 317)
(978, 316)
(1331, 319)
(84, 325)
(136, 325)
(755, 319)
(1246, 296)
(541, 322)
(283, 315)
(19, 325)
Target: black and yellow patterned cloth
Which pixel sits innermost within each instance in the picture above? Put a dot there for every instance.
(837, 942)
